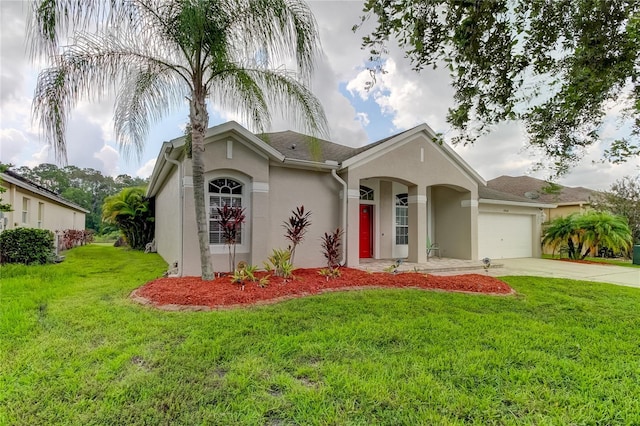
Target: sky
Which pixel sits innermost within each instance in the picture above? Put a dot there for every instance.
(401, 99)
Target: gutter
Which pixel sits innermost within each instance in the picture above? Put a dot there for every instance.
(307, 164)
(343, 261)
(179, 166)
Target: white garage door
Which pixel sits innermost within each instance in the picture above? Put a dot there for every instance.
(504, 236)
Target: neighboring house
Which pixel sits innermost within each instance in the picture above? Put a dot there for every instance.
(568, 199)
(392, 197)
(37, 207)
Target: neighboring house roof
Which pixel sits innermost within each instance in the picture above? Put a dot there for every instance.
(532, 188)
(493, 196)
(22, 182)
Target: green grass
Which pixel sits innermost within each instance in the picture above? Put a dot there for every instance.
(75, 350)
(615, 261)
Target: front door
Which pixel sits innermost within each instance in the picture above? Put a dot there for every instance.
(366, 231)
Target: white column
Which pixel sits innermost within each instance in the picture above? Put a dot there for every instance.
(417, 224)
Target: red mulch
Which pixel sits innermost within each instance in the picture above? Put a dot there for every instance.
(193, 293)
(588, 262)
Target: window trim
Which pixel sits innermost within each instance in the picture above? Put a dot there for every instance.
(26, 206)
(245, 245)
(366, 193)
(401, 205)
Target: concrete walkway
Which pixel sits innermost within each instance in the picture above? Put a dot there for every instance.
(526, 266)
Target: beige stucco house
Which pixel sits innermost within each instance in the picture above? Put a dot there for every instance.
(391, 197)
(37, 207)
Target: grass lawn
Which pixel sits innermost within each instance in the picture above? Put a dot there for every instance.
(75, 350)
(614, 261)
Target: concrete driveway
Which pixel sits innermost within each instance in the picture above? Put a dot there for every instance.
(578, 271)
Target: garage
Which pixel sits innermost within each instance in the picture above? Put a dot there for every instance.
(504, 236)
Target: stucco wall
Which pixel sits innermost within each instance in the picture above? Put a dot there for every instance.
(453, 223)
(167, 219)
(319, 192)
(417, 161)
(53, 216)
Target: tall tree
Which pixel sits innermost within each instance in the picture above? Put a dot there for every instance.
(157, 53)
(132, 213)
(623, 199)
(556, 64)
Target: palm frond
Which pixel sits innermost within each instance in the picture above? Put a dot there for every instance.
(145, 97)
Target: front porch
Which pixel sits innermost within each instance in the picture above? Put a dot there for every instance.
(392, 218)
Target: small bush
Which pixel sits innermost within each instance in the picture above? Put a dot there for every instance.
(27, 246)
(279, 263)
(70, 238)
(331, 250)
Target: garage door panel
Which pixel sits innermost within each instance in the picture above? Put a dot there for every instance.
(504, 236)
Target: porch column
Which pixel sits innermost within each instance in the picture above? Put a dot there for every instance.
(353, 222)
(259, 221)
(417, 224)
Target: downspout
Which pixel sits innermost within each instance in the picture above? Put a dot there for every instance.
(344, 214)
(179, 165)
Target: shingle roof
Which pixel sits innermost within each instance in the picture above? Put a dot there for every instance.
(532, 189)
(493, 194)
(298, 146)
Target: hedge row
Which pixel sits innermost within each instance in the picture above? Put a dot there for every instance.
(27, 245)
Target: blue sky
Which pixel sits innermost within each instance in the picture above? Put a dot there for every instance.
(401, 99)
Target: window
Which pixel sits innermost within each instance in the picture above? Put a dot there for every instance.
(366, 193)
(25, 209)
(222, 191)
(402, 219)
(40, 214)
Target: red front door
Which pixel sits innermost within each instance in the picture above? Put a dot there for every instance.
(366, 231)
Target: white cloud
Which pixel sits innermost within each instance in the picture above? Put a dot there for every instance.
(109, 158)
(363, 118)
(146, 170)
(12, 144)
(13, 62)
(39, 157)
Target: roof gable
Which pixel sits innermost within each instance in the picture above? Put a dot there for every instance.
(386, 145)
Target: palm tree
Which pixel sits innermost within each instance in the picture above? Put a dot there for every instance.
(155, 53)
(606, 229)
(562, 230)
(131, 212)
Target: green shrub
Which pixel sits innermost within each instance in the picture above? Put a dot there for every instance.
(26, 245)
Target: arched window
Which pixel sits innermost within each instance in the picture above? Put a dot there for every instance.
(222, 191)
(402, 218)
(366, 193)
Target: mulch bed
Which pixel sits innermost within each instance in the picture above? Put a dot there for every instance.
(587, 262)
(191, 293)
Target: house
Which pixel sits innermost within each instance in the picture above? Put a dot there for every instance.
(37, 207)
(391, 197)
(567, 199)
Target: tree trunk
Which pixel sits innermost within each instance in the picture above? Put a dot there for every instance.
(199, 121)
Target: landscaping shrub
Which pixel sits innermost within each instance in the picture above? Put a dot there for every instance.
(70, 238)
(296, 227)
(26, 245)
